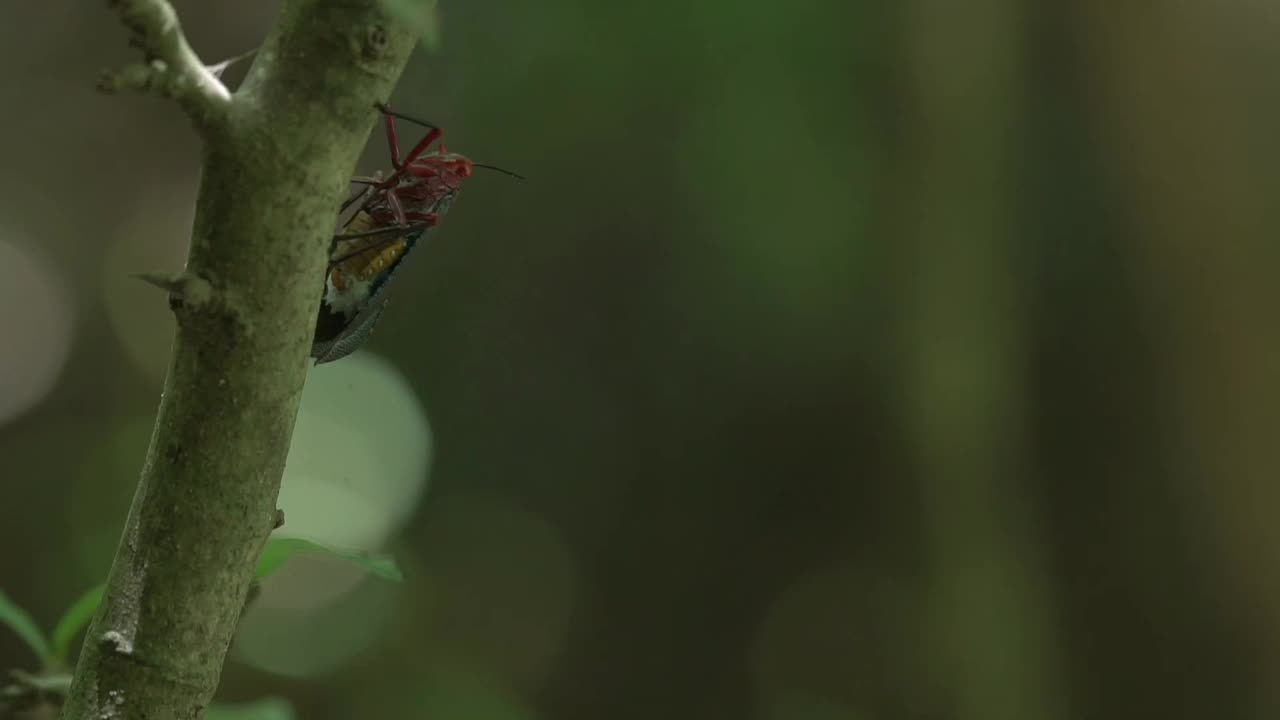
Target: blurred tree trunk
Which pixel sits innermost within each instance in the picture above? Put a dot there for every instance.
(988, 604)
(277, 157)
(1188, 131)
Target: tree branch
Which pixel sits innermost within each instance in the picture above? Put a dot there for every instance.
(277, 157)
(170, 67)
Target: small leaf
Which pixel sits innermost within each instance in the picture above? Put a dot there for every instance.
(277, 551)
(423, 14)
(266, 709)
(21, 623)
(74, 620)
(51, 683)
(280, 549)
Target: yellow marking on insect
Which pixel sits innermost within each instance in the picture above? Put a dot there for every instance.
(364, 258)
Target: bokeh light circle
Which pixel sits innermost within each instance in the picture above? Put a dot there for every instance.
(356, 470)
(504, 586)
(153, 239)
(359, 458)
(37, 318)
(285, 631)
(826, 639)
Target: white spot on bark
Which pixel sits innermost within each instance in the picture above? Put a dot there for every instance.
(118, 643)
(111, 708)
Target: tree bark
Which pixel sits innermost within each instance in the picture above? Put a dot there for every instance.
(277, 156)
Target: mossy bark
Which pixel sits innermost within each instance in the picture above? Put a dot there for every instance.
(274, 174)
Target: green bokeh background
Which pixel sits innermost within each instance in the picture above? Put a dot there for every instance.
(837, 361)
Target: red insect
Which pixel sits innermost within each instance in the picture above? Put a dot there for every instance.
(393, 213)
(410, 194)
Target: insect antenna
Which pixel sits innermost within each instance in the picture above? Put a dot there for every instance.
(504, 171)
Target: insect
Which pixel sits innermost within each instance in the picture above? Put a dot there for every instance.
(394, 213)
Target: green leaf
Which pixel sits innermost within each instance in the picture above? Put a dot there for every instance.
(21, 623)
(50, 683)
(266, 709)
(277, 551)
(73, 621)
(422, 14)
(280, 549)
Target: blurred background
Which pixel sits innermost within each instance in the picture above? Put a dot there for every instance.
(837, 361)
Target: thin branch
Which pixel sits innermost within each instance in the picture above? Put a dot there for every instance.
(170, 68)
(220, 67)
(246, 307)
(185, 288)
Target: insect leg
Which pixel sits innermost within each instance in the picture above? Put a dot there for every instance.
(369, 182)
(428, 219)
(389, 119)
(386, 109)
(389, 123)
(394, 231)
(396, 208)
(364, 192)
(391, 233)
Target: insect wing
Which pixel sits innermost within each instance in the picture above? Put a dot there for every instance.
(339, 332)
(352, 336)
